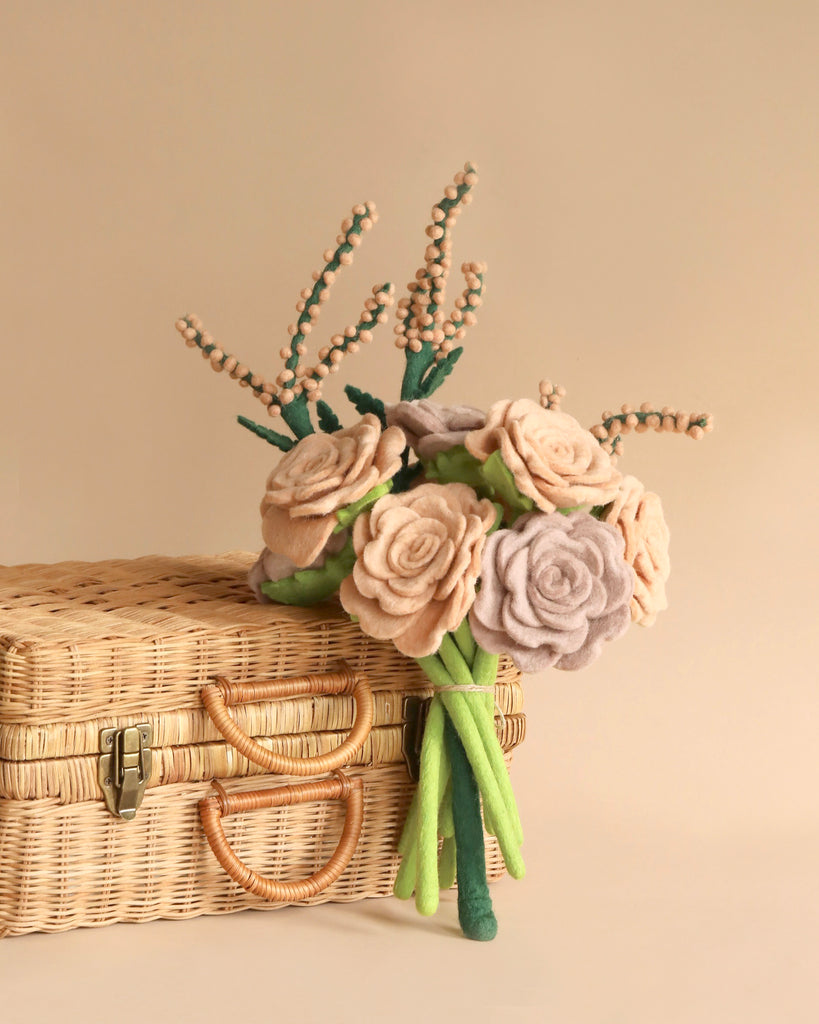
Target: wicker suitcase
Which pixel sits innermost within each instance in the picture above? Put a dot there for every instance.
(168, 747)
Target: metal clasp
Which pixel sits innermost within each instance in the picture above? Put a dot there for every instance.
(415, 710)
(125, 767)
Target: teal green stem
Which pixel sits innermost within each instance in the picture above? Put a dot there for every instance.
(417, 365)
(474, 902)
(297, 416)
(460, 712)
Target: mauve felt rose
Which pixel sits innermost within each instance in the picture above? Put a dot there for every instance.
(638, 515)
(418, 557)
(553, 589)
(272, 566)
(321, 474)
(554, 461)
(431, 428)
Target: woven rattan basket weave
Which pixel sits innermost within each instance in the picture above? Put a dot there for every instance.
(167, 645)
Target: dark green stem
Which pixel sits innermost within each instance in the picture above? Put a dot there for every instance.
(474, 902)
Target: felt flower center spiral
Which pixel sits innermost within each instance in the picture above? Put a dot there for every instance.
(418, 558)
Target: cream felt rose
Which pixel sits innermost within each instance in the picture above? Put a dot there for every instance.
(431, 428)
(554, 461)
(418, 557)
(553, 589)
(321, 474)
(638, 515)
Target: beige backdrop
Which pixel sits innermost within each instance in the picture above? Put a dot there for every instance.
(647, 208)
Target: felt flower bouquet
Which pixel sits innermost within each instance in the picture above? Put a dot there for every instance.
(458, 534)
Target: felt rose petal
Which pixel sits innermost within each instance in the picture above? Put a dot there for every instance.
(431, 428)
(321, 474)
(554, 461)
(553, 589)
(418, 557)
(638, 515)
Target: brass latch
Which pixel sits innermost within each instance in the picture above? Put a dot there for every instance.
(125, 767)
(416, 710)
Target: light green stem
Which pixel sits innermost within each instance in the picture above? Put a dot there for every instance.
(426, 887)
(447, 864)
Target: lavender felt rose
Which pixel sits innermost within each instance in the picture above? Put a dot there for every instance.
(553, 589)
(431, 428)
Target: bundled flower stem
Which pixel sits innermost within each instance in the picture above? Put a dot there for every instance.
(463, 675)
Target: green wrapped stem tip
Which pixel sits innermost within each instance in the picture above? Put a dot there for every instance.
(347, 516)
(474, 902)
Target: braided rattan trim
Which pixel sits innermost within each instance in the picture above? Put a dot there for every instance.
(74, 779)
(192, 726)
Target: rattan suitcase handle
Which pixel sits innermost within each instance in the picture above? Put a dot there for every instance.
(213, 808)
(219, 696)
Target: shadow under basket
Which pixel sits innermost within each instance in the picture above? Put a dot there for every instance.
(169, 747)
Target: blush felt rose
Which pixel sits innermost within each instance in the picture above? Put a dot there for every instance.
(431, 428)
(320, 475)
(554, 461)
(553, 589)
(418, 557)
(638, 515)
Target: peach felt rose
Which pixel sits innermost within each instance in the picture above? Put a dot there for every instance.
(554, 461)
(638, 515)
(321, 474)
(418, 557)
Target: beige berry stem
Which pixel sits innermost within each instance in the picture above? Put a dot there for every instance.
(614, 425)
(427, 336)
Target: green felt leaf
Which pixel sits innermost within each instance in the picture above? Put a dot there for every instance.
(502, 484)
(490, 479)
(439, 372)
(456, 465)
(327, 419)
(279, 440)
(309, 586)
(347, 516)
(364, 402)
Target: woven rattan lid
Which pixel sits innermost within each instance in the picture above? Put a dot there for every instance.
(80, 641)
